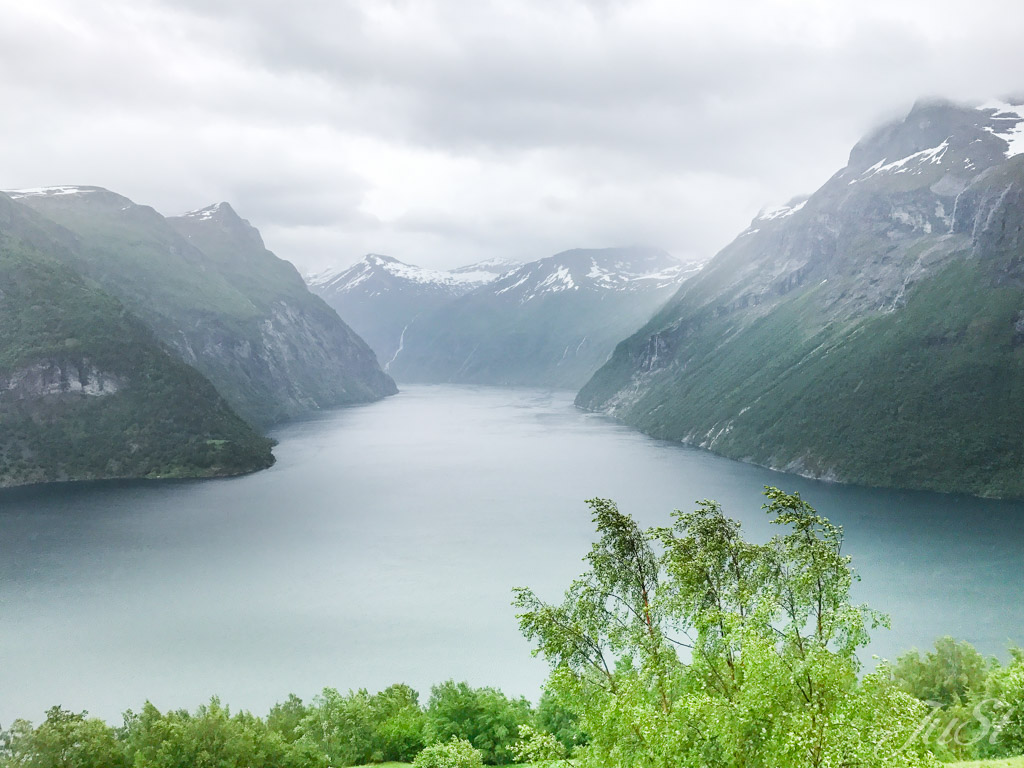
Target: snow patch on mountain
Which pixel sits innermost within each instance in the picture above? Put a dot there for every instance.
(512, 286)
(459, 280)
(588, 271)
(911, 163)
(779, 211)
(1009, 119)
(775, 213)
(17, 194)
(203, 214)
(492, 267)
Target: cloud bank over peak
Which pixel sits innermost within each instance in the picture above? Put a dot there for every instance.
(445, 132)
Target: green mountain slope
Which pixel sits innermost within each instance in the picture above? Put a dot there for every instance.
(871, 334)
(210, 290)
(86, 390)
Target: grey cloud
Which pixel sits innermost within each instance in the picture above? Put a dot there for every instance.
(344, 127)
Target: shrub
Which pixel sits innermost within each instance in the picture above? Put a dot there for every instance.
(456, 753)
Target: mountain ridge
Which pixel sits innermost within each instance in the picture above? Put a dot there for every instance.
(380, 295)
(551, 322)
(210, 290)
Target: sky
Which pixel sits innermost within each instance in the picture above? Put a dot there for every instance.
(443, 132)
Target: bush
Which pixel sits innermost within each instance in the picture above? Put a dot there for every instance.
(456, 753)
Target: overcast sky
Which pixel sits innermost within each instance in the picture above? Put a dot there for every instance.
(448, 131)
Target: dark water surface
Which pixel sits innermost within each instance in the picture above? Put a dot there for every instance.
(384, 544)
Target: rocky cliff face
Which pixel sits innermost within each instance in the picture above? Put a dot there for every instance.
(209, 289)
(53, 377)
(866, 333)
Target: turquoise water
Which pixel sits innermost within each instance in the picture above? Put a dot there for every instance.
(384, 544)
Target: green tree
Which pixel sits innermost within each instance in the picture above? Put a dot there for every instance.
(399, 723)
(1003, 701)
(688, 645)
(284, 717)
(484, 717)
(64, 740)
(341, 727)
(560, 721)
(211, 737)
(945, 676)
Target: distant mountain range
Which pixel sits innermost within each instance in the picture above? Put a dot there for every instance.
(380, 296)
(134, 343)
(550, 322)
(871, 333)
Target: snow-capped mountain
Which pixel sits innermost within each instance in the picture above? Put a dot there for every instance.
(379, 295)
(384, 273)
(629, 270)
(550, 322)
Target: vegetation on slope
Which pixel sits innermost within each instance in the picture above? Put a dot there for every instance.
(930, 397)
(90, 393)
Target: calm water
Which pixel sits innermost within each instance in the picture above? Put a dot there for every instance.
(383, 545)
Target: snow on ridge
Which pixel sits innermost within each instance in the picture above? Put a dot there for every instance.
(930, 156)
(362, 270)
(779, 211)
(559, 277)
(316, 279)
(17, 194)
(476, 276)
(1013, 116)
(620, 276)
(424, 275)
(604, 278)
(202, 214)
(495, 266)
(513, 286)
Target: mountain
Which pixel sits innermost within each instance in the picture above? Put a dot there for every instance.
(551, 322)
(208, 288)
(380, 296)
(872, 333)
(86, 390)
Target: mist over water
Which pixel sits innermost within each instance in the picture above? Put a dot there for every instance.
(384, 544)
